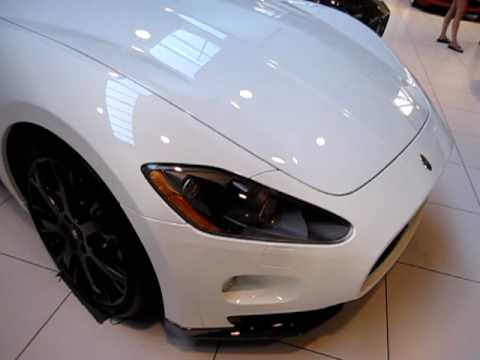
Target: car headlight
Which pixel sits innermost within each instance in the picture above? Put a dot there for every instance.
(222, 203)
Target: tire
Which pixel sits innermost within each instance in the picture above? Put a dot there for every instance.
(87, 234)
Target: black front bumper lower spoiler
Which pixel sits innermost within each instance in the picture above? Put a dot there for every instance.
(261, 327)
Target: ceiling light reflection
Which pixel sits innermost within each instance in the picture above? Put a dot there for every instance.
(410, 80)
(403, 102)
(320, 141)
(272, 63)
(121, 96)
(278, 160)
(347, 113)
(137, 49)
(246, 94)
(185, 52)
(143, 34)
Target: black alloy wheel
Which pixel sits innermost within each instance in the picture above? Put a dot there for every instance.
(90, 239)
(70, 222)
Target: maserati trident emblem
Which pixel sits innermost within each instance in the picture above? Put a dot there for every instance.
(426, 163)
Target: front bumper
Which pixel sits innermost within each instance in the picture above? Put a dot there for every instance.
(207, 279)
(277, 326)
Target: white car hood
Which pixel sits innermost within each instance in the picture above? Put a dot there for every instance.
(306, 88)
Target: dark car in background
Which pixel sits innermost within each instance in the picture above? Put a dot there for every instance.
(373, 13)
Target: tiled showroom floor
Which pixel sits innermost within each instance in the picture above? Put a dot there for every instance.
(428, 307)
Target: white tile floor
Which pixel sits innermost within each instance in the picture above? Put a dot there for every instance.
(426, 308)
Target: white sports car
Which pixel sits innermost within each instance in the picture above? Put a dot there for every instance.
(240, 165)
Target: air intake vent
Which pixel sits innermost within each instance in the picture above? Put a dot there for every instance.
(388, 250)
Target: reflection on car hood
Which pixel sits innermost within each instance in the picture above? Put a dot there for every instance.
(310, 91)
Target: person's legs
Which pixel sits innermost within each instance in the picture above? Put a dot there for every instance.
(446, 21)
(461, 7)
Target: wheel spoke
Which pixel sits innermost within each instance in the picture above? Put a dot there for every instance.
(96, 211)
(61, 190)
(110, 244)
(39, 211)
(88, 228)
(89, 277)
(75, 273)
(66, 257)
(49, 227)
(113, 274)
(48, 201)
(119, 286)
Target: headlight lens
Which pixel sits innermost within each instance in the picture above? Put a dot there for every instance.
(223, 203)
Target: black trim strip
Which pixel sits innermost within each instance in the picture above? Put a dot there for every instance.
(260, 327)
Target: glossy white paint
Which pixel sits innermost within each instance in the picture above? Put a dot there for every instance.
(214, 59)
(301, 98)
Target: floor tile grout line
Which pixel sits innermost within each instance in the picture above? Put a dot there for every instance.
(443, 113)
(468, 175)
(43, 326)
(310, 350)
(472, 167)
(453, 208)
(28, 262)
(464, 164)
(386, 318)
(455, 164)
(452, 131)
(216, 350)
(420, 267)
